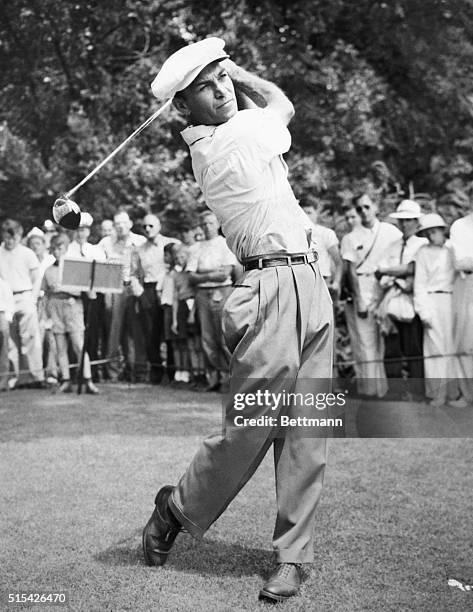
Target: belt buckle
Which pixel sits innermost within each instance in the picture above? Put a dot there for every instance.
(260, 263)
(288, 259)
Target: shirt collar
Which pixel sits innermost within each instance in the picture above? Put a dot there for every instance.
(193, 133)
(374, 228)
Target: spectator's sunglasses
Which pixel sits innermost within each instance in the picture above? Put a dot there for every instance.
(363, 207)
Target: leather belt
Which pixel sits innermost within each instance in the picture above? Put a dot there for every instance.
(22, 291)
(440, 291)
(283, 259)
(468, 271)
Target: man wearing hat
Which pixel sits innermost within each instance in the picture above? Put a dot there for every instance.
(277, 322)
(397, 268)
(433, 287)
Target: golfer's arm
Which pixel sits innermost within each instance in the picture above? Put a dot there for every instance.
(262, 93)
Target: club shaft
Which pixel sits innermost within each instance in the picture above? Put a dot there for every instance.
(119, 148)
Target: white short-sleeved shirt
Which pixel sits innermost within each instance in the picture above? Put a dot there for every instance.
(403, 253)
(358, 242)
(16, 267)
(211, 255)
(86, 250)
(148, 259)
(461, 239)
(239, 167)
(7, 305)
(324, 239)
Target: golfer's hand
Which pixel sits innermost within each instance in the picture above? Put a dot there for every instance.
(174, 327)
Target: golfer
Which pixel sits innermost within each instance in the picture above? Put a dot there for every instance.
(277, 321)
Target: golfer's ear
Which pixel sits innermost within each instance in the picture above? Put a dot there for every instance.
(181, 106)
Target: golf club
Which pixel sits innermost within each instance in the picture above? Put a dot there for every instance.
(65, 211)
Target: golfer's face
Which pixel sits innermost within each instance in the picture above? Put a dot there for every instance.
(210, 98)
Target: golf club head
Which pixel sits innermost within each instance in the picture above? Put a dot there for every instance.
(66, 213)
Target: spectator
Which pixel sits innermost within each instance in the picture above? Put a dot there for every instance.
(352, 218)
(397, 270)
(126, 337)
(183, 321)
(94, 304)
(210, 270)
(7, 307)
(461, 237)
(50, 230)
(167, 290)
(106, 228)
(199, 234)
(433, 286)
(326, 244)
(80, 246)
(67, 315)
(19, 268)
(148, 266)
(36, 241)
(353, 221)
(363, 249)
(187, 235)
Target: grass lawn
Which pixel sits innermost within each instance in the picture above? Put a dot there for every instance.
(79, 475)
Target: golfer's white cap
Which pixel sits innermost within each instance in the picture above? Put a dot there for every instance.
(35, 231)
(429, 221)
(407, 209)
(86, 219)
(183, 66)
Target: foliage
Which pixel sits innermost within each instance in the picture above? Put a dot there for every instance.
(371, 81)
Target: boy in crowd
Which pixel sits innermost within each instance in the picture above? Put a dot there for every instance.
(183, 321)
(167, 290)
(67, 314)
(433, 288)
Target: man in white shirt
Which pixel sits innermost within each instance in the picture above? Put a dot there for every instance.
(397, 268)
(461, 239)
(363, 248)
(126, 341)
(277, 322)
(148, 268)
(210, 270)
(19, 268)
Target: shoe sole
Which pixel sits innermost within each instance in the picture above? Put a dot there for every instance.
(273, 597)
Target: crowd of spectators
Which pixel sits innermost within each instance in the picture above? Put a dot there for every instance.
(403, 285)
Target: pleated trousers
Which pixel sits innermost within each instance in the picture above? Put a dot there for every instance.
(278, 326)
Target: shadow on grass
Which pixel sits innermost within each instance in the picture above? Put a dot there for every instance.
(205, 557)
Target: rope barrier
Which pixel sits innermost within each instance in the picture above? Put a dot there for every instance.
(164, 365)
